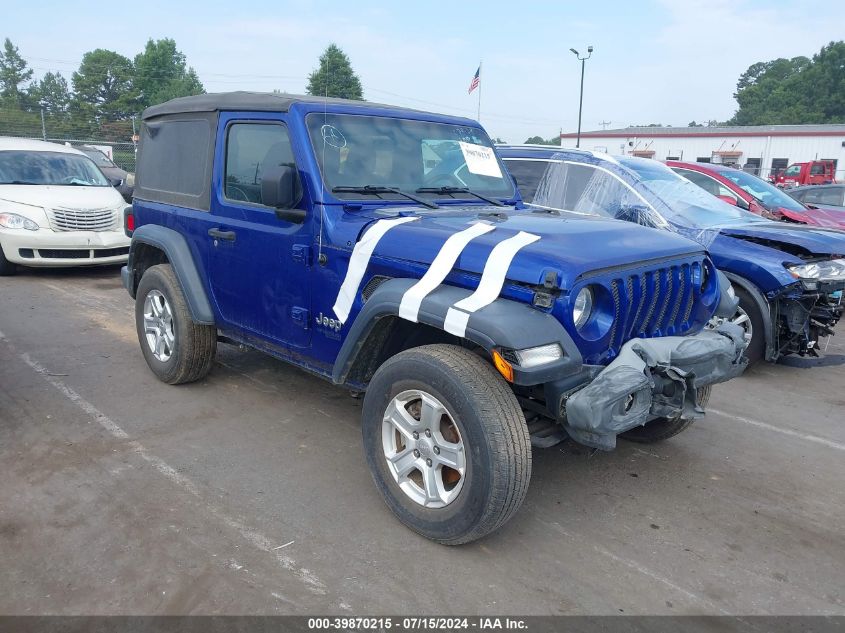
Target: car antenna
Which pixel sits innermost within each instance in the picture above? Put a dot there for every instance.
(321, 259)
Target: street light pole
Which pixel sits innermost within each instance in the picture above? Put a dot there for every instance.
(583, 61)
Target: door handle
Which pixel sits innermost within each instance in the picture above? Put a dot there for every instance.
(229, 236)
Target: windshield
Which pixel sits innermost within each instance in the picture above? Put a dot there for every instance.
(356, 151)
(98, 157)
(685, 203)
(768, 194)
(49, 168)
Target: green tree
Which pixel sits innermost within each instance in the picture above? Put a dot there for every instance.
(335, 77)
(794, 91)
(103, 86)
(52, 93)
(13, 73)
(161, 73)
(539, 140)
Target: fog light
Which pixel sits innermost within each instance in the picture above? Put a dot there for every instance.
(535, 356)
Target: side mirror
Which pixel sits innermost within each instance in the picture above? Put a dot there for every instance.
(280, 188)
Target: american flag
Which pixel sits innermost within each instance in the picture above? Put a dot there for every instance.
(474, 83)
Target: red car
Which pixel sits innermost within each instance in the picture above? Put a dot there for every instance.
(753, 194)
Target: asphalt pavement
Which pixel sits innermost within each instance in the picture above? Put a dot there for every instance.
(248, 492)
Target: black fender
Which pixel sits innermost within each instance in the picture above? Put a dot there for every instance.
(762, 304)
(504, 324)
(178, 254)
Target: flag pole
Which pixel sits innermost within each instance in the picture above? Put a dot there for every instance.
(479, 91)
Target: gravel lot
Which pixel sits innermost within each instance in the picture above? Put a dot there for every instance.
(248, 492)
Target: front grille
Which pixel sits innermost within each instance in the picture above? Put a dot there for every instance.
(653, 303)
(83, 219)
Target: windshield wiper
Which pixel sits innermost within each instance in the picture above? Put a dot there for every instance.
(453, 190)
(18, 182)
(376, 190)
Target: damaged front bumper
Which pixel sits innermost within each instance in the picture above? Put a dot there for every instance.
(650, 379)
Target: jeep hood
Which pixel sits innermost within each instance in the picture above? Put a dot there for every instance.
(802, 241)
(570, 245)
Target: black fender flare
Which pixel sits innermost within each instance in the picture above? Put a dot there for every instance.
(503, 324)
(178, 254)
(762, 304)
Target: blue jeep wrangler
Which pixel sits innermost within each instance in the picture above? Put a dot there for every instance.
(388, 251)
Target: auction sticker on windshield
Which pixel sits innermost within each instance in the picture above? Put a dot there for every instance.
(480, 160)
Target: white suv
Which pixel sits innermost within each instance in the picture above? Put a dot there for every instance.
(56, 208)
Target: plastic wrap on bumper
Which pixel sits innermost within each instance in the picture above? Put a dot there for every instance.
(653, 378)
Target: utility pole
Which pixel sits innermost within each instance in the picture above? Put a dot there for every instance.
(604, 124)
(583, 61)
(43, 126)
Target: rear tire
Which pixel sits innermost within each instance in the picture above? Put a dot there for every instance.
(176, 349)
(449, 397)
(7, 268)
(664, 428)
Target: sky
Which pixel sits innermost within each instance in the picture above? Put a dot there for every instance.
(654, 61)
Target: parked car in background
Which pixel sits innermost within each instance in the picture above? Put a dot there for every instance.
(120, 179)
(751, 193)
(789, 278)
(56, 208)
(815, 172)
(822, 196)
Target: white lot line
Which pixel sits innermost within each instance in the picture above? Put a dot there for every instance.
(770, 427)
(253, 536)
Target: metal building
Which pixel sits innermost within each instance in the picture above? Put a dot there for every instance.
(760, 149)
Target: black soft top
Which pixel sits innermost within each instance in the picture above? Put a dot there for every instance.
(254, 101)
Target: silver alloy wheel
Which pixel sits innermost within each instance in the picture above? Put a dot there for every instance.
(423, 448)
(742, 319)
(158, 326)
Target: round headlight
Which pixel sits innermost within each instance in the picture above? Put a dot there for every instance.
(583, 307)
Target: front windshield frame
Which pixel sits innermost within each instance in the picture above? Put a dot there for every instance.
(40, 174)
(383, 166)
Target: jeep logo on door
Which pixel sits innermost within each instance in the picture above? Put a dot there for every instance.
(332, 324)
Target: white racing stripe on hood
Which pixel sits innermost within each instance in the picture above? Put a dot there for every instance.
(441, 266)
(358, 264)
(492, 280)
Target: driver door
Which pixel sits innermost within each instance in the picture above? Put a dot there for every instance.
(259, 283)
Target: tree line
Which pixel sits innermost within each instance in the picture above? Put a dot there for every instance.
(101, 96)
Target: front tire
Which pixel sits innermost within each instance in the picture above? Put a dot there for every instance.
(662, 429)
(176, 349)
(446, 443)
(750, 319)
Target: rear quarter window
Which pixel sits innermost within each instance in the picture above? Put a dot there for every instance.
(174, 162)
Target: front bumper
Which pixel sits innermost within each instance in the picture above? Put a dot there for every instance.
(46, 247)
(652, 378)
